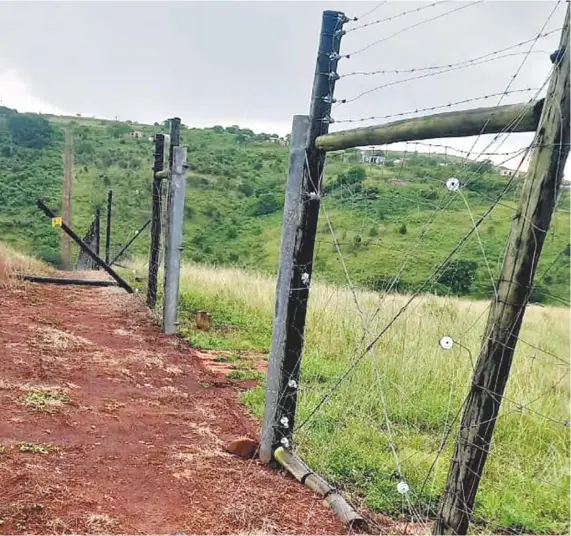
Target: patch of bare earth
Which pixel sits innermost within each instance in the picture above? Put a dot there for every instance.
(108, 426)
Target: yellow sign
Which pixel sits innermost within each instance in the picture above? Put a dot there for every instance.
(56, 222)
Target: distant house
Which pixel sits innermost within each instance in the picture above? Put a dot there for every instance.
(369, 157)
(374, 159)
(506, 172)
(277, 140)
(137, 134)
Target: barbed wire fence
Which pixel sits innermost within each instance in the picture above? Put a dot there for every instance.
(398, 367)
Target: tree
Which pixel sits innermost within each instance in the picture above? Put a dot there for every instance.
(31, 131)
(459, 276)
(267, 204)
(117, 130)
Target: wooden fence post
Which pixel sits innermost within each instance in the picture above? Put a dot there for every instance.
(507, 310)
(156, 221)
(290, 229)
(298, 241)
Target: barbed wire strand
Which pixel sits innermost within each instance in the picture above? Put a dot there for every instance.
(425, 21)
(437, 107)
(453, 64)
(392, 17)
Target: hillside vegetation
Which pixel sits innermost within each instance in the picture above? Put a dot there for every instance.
(380, 215)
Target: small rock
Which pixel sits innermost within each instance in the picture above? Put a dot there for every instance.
(243, 447)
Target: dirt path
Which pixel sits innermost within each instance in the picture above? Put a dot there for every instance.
(106, 425)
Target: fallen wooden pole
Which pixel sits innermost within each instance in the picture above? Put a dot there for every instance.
(522, 117)
(64, 281)
(302, 473)
(122, 283)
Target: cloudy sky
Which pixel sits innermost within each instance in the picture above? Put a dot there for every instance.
(252, 63)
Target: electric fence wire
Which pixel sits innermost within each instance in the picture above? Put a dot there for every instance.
(420, 289)
(455, 64)
(425, 21)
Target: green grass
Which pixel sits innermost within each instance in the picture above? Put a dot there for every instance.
(46, 400)
(526, 480)
(35, 448)
(235, 194)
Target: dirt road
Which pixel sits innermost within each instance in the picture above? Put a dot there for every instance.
(106, 425)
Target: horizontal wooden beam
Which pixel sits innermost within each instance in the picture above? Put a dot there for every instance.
(522, 117)
(65, 281)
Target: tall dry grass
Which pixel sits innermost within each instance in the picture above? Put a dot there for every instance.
(13, 262)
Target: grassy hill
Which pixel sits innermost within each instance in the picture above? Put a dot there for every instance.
(381, 215)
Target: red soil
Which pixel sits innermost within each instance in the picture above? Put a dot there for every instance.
(136, 444)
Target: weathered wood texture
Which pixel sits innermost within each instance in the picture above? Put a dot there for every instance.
(290, 236)
(507, 310)
(121, 282)
(511, 118)
(298, 242)
(64, 281)
(302, 473)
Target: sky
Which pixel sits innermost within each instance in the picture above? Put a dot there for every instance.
(252, 63)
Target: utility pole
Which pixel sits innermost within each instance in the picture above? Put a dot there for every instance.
(175, 212)
(298, 240)
(108, 229)
(156, 221)
(529, 228)
(66, 212)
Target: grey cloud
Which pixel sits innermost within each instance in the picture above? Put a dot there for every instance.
(215, 62)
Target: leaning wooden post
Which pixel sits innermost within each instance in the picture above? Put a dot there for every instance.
(508, 307)
(298, 239)
(156, 220)
(175, 211)
(98, 260)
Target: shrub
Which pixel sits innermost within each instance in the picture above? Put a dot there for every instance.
(246, 188)
(267, 204)
(31, 131)
(402, 229)
(459, 276)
